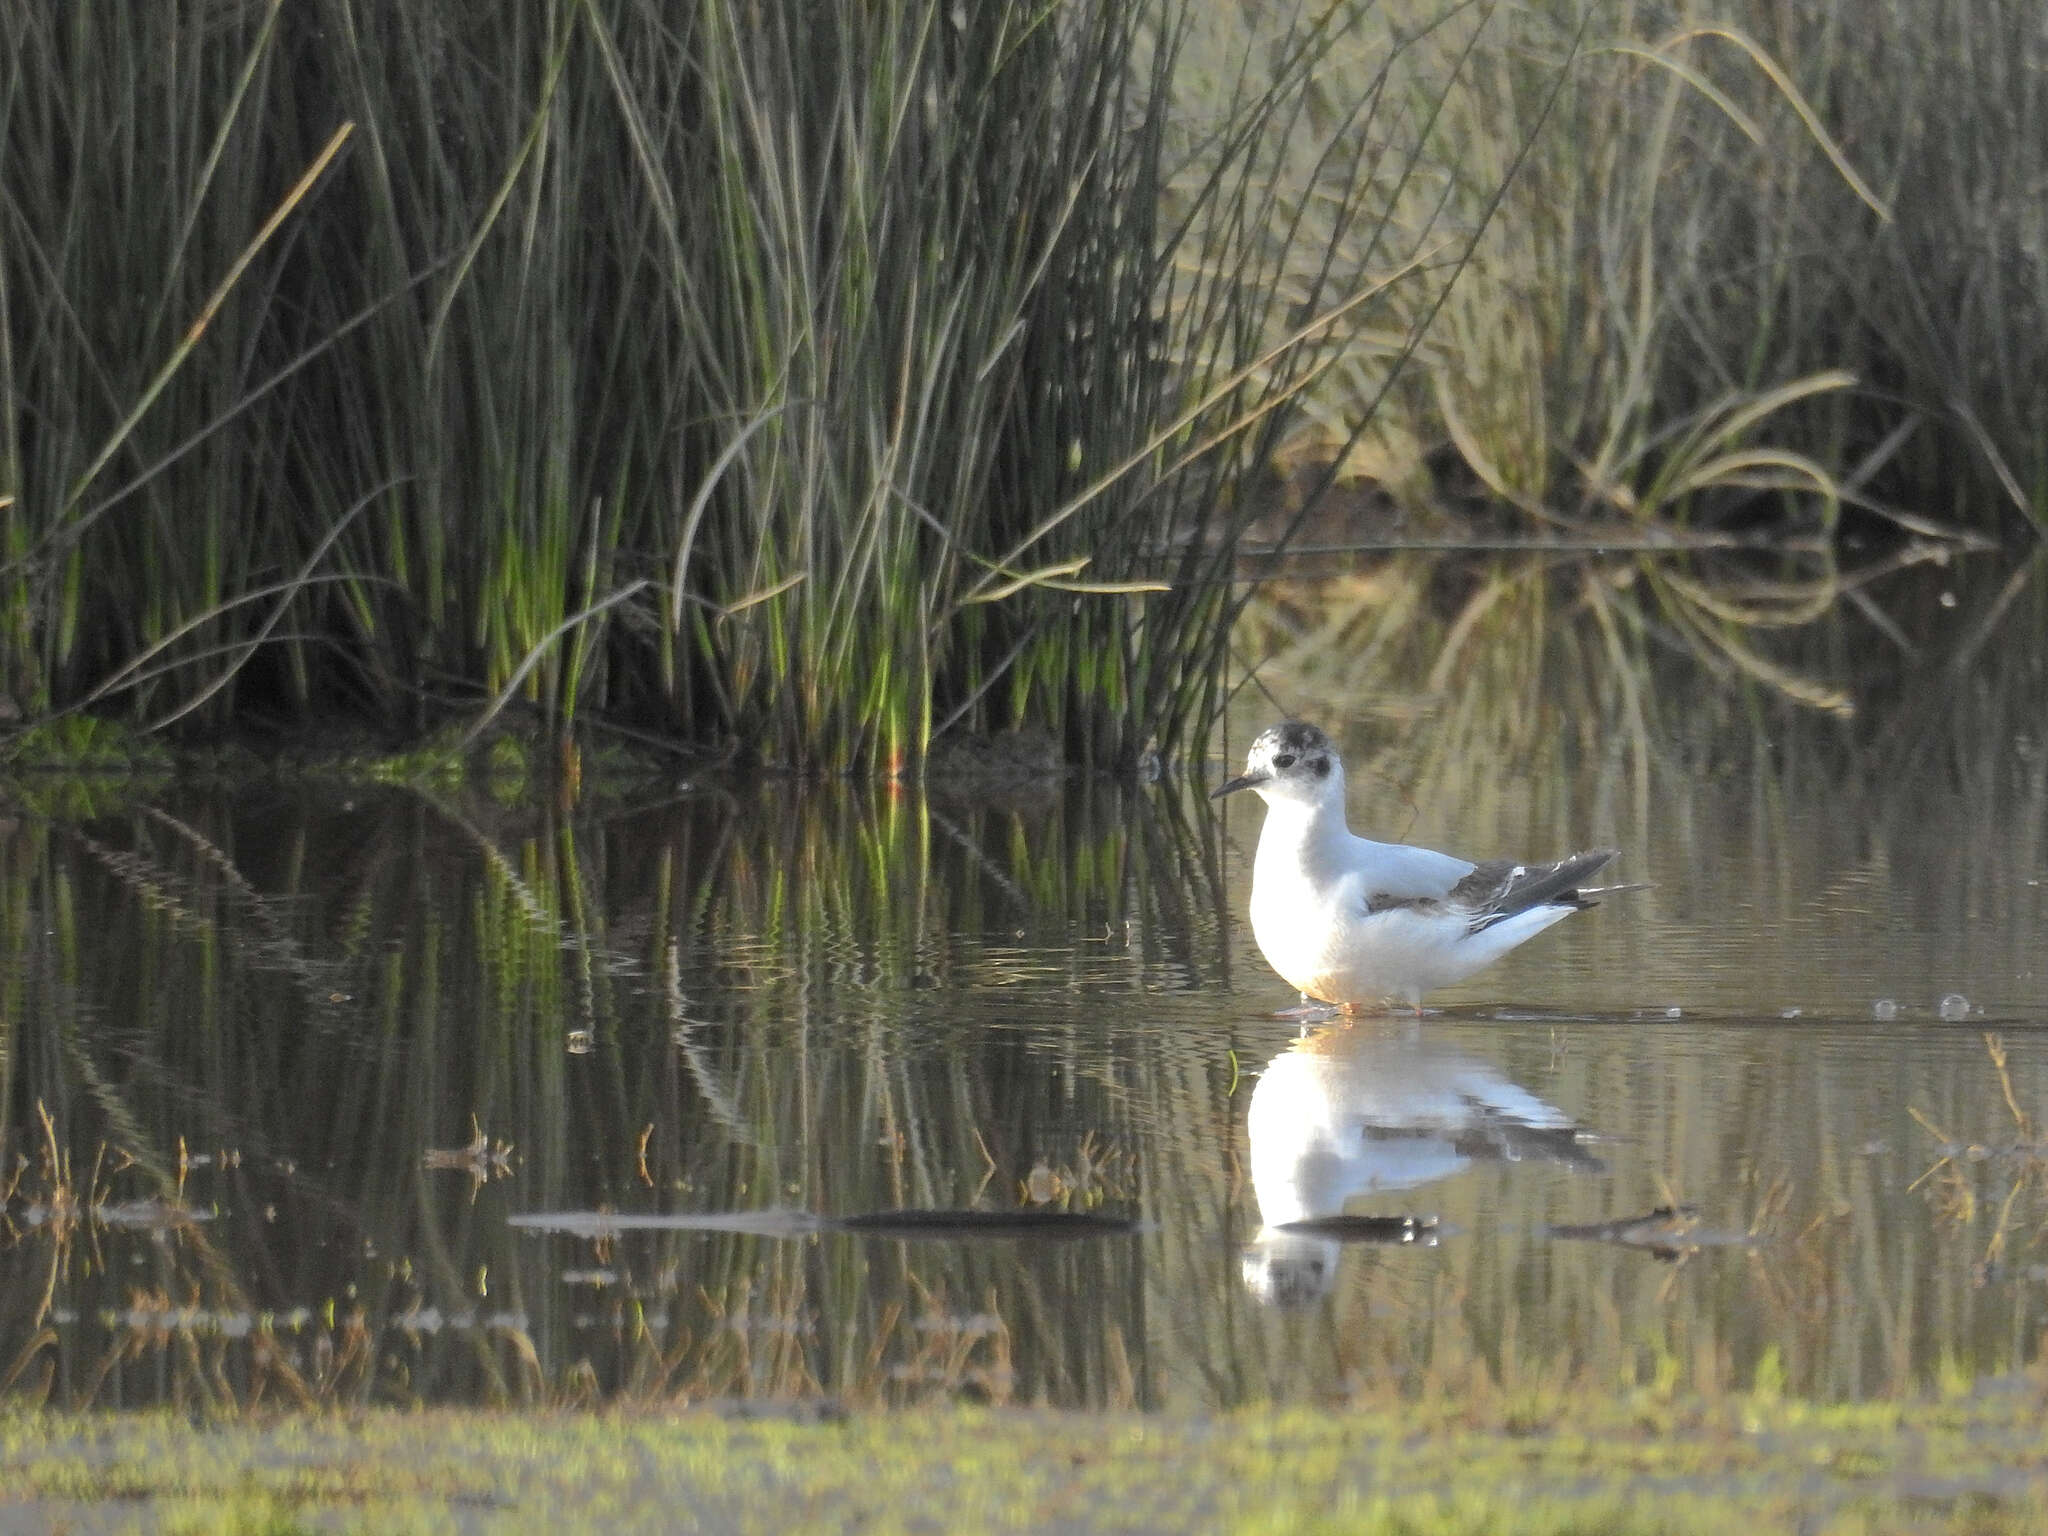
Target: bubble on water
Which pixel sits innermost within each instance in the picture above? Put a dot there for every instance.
(1955, 1006)
(1674, 1013)
(1790, 1013)
(1884, 1008)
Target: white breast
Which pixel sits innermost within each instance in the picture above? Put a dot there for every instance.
(1312, 888)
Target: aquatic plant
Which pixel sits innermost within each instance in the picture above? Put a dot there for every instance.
(824, 383)
(1749, 269)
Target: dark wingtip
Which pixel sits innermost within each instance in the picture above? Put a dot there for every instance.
(1583, 865)
(1497, 889)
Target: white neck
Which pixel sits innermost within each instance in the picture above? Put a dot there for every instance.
(1300, 831)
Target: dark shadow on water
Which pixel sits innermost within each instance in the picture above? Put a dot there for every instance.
(1669, 1232)
(940, 1226)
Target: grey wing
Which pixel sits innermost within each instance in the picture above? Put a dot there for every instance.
(1397, 874)
(1500, 888)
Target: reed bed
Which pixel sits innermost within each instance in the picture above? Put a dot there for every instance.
(817, 381)
(1755, 265)
(832, 386)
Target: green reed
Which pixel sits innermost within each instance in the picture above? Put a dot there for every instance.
(837, 387)
(828, 383)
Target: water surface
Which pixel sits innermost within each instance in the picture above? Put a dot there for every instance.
(315, 1094)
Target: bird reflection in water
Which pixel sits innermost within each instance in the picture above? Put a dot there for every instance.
(1354, 1112)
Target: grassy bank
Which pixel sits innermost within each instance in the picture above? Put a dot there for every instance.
(1626, 1466)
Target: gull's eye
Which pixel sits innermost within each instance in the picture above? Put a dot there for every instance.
(1284, 760)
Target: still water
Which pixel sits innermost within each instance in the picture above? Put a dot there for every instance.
(316, 1094)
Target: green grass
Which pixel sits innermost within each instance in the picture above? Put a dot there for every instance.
(1625, 1465)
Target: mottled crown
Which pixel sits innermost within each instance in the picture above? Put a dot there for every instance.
(1296, 736)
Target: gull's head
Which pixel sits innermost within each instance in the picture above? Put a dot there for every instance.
(1287, 1269)
(1290, 762)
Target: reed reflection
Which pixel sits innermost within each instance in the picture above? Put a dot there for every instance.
(1353, 1112)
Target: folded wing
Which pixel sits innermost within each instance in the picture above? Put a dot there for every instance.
(1500, 888)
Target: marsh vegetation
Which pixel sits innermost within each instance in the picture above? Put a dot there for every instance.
(839, 386)
(832, 393)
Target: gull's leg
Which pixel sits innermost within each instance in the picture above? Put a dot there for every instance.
(1313, 1012)
(1379, 1008)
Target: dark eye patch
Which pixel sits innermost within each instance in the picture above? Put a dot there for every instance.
(1322, 767)
(1284, 760)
